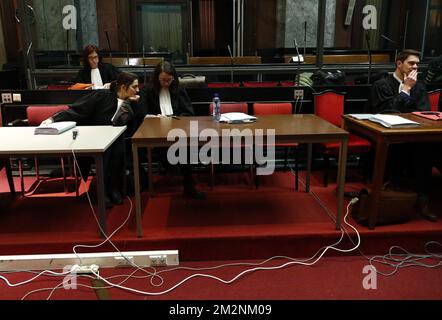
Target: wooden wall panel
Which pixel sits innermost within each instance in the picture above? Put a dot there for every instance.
(11, 32)
(342, 32)
(113, 16)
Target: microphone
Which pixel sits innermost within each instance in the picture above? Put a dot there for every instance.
(144, 65)
(299, 58)
(388, 39)
(67, 48)
(367, 39)
(127, 42)
(305, 37)
(392, 42)
(109, 45)
(230, 51)
(231, 62)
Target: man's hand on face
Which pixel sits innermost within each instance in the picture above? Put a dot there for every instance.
(410, 80)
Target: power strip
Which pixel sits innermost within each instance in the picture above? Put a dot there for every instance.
(102, 260)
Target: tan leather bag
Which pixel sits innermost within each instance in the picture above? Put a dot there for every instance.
(396, 206)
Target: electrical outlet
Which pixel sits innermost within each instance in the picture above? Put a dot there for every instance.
(6, 98)
(84, 269)
(299, 94)
(158, 260)
(16, 97)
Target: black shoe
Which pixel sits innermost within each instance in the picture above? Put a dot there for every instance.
(429, 217)
(193, 193)
(116, 197)
(423, 207)
(108, 203)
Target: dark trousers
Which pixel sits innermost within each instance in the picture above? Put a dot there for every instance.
(412, 161)
(113, 166)
(185, 169)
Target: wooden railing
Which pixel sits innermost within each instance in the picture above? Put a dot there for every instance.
(225, 60)
(123, 62)
(344, 58)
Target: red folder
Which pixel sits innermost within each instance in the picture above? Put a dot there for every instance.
(432, 115)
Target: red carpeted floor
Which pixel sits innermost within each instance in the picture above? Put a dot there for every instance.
(237, 222)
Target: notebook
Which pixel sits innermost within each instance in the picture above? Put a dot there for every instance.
(432, 115)
(55, 128)
(387, 120)
(237, 117)
(393, 121)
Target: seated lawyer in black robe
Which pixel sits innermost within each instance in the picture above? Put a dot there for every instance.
(163, 96)
(401, 92)
(95, 71)
(387, 98)
(117, 106)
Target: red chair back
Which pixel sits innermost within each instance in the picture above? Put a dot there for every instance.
(224, 85)
(329, 105)
(288, 83)
(272, 108)
(434, 97)
(263, 84)
(37, 114)
(232, 107)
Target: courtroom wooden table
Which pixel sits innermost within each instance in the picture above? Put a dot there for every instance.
(307, 129)
(382, 137)
(91, 141)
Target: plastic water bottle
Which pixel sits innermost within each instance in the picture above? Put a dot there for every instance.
(216, 107)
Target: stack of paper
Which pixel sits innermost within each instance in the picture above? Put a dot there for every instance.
(392, 121)
(237, 117)
(387, 120)
(361, 116)
(55, 128)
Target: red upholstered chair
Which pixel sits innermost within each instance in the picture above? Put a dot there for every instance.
(36, 115)
(434, 97)
(227, 108)
(329, 105)
(232, 107)
(262, 84)
(288, 83)
(224, 85)
(274, 109)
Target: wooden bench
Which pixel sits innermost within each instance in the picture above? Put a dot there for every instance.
(343, 59)
(123, 62)
(225, 60)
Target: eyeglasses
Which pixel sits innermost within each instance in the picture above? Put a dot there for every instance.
(170, 80)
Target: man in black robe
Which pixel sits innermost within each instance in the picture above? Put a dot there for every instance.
(401, 92)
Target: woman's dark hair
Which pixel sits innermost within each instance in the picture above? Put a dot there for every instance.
(168, 68)
(123, 79)
(87, 51)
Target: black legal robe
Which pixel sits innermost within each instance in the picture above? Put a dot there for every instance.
(108, 74)
(181, 103)
(97, 109)
(385, 97)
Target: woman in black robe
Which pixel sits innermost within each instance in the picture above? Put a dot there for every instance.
(95, 71)
(117, 106)
(163, 96)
